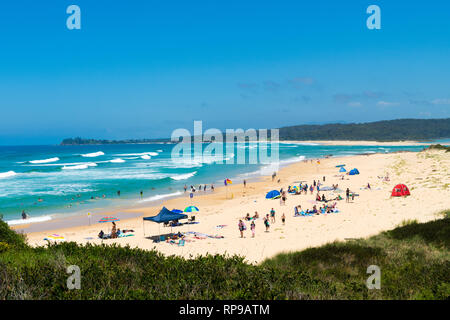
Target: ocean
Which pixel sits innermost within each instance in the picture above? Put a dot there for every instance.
(53, 181)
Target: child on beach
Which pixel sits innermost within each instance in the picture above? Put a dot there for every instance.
(253, 227)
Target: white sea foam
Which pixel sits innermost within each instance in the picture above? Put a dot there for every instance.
(45, 160)
(7, 174)
(137, 154)
(146, 157)
(29, 220)
(77, 167)
(159, 150)
(117, 160)
(161, 196)
(183, 176)
(292, 160)
(93, 154)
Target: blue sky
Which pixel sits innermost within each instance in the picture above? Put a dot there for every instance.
(140, 69)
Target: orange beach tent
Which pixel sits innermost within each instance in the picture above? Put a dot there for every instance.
(400, 190)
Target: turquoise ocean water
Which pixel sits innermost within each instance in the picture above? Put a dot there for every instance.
(78, 179)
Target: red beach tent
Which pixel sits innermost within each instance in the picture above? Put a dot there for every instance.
(400, 190)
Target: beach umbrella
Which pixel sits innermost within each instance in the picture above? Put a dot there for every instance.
(55, 237)
(274, 194)
(177, 211)
(340, 165)
(191, 209)
(108, 219)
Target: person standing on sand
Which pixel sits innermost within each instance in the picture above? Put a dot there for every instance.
(241, 226)
(113, 231)
(212, 187)
(266, 222)
(283, 219)
(185, 188)
(272, 216)
(245, 183)
(347, 195)
(204, 187)
(253, 227)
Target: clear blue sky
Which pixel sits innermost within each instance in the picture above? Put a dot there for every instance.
(139, 69)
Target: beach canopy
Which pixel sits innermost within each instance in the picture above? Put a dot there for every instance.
(400, 190)
(108, 219)
(353, 172)
(274, 194)
(340, 165)
(165, 215)
(342, 169)
(191, 209)
(177, 211)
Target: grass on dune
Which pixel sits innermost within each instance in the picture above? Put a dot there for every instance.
(414, 261)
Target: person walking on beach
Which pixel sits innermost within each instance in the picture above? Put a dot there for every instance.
(241, 226)
(253, 227)
(347, 195)
(245, 183)
(185, 188)
(272, 216)
(283, 218)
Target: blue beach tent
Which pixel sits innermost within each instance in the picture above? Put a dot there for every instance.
(165, 215)
(342, 169)
(353, 172)
(274, 194)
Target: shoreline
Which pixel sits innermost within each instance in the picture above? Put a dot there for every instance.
(373, 211)
(134, 205)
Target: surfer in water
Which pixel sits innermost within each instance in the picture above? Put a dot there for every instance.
(24, 215)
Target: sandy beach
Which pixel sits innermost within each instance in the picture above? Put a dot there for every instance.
(425, 173)
(359, 143)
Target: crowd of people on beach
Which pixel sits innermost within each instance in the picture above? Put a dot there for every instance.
(329, 204)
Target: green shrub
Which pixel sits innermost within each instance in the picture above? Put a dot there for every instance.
(414, 261)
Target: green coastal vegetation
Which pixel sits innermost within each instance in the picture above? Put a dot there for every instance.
(414, 260)
(388, 130)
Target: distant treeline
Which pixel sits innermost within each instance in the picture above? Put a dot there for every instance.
(81, 141)
(389, 130)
